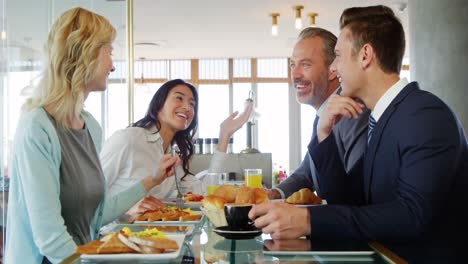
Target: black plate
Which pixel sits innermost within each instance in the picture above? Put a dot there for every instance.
(229, 234)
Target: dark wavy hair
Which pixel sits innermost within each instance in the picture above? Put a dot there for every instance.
(183, 138)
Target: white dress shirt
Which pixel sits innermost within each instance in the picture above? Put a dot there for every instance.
(133, 153)
(387, 98)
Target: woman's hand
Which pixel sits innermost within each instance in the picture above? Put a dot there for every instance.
(148, 203)
(166, 169)
(232, 124)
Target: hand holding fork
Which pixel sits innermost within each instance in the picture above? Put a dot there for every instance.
(180, 197)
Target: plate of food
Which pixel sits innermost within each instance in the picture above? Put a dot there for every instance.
(191, 200)
(167, 229)
(151, 244)
(170, 215)
(304, 198)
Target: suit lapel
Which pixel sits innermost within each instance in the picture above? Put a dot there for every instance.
(377, 135)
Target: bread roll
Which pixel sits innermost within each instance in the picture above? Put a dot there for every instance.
(213, 208)
(261, 195)
(227, 192)
(304, 196)
(245, 195)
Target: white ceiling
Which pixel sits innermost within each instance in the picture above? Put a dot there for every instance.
(187, 28)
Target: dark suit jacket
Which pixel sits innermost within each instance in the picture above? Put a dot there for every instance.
(410, 187)
(351, 136)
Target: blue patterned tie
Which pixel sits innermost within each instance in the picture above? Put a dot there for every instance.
(372, 123)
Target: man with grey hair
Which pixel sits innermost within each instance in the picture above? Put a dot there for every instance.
(314, 82)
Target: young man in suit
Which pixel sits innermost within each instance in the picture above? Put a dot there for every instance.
(412, 181)
(314, 82)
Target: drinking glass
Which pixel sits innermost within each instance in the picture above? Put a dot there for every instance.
(253, 178)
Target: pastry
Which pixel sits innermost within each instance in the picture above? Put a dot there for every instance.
(213, 208)
(304, 196)
(227, 192)
(261, 196)
(245, 195)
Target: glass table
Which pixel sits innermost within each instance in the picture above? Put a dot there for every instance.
(203, 245)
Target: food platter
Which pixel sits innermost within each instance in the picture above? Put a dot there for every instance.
(178, 238)
(191, 205)
(175, 222)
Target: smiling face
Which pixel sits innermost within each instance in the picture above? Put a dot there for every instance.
(103, 69)
(347, 66)
(309, 72)
(178, 110)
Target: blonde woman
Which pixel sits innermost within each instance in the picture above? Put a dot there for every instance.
(58, 191)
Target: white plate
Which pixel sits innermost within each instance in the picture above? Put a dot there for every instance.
(179, 238)
(173, 222)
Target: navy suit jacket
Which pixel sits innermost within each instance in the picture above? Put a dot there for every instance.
(351, 138)
(410, 186)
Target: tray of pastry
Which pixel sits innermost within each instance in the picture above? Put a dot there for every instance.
(170, 215)
(124, 244)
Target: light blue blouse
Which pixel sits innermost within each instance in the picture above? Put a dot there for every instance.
(35, 227)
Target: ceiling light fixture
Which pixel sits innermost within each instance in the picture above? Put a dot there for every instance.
(298, 22)
(274, 24)
(312, 19)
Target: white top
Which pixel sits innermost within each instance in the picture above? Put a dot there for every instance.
(387, 98)
(133, 153)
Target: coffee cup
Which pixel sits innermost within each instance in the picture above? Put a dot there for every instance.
(237, 217)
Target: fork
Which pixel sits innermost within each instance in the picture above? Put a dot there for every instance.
(179, 198)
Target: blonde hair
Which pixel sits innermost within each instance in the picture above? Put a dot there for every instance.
(72, 50)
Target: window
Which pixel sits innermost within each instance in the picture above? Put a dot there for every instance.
(240, 94)
(307, 122)
(116, 109)
(213, 69)
(273, 124)
(142, 98)
(213, 108)
(242, 68)
(180, 69)
(273, 68)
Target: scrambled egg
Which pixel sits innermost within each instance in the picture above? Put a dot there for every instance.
(149, 232)
(188, 210)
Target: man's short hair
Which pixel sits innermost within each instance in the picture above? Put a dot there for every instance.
(329, 41)
(378, 26)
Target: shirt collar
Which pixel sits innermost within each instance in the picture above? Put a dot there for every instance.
(320, 110)
(387, 98)
(152, 134)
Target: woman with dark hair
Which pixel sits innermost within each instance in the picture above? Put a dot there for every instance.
(172, 117)
(183, 138)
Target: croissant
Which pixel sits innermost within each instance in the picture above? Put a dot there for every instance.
(245, 195)
(261, 195)
(227, 192)
(304, 196)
